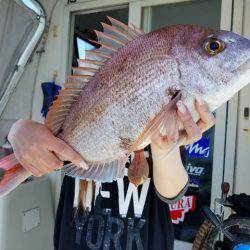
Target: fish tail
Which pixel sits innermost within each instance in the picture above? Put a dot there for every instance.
(11, 174)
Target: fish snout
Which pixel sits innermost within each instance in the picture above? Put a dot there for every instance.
(244, 68)
(245, 48)
(243, 55)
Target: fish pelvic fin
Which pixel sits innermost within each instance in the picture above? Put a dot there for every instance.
(109, 41)
(11, 174)
(138, 170)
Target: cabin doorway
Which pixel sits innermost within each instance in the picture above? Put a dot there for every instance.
(205, 160)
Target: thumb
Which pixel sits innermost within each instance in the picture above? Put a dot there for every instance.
(62, 149)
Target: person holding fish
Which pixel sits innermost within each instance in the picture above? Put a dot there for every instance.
(134, 91)
(113, 222)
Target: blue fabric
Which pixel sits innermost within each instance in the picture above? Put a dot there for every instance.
(242, 247)
(50, 93)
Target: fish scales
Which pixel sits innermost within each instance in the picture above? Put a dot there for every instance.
(132, 96)
(134, 82)
(140, 84)
(132, 87)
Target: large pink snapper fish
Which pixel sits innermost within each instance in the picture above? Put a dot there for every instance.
(125, 92)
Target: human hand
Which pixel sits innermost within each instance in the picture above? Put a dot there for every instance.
(38, 150)
(192, 131)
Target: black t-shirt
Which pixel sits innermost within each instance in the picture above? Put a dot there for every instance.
(123, 217)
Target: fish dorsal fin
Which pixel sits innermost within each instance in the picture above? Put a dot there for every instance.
(89, 63)
(131, 30)
(110, 40)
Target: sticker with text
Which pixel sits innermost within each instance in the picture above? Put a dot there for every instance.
(179, 209)
(199, 149)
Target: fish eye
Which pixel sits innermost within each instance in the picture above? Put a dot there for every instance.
(214, 46)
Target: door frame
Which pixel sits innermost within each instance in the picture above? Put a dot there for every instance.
(240, 25)
(235, 24)
(225, 129)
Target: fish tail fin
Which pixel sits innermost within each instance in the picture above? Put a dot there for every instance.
(86, 194)
(11, 174)
(139, 169)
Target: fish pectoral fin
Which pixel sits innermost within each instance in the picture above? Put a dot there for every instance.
(98, 171)
(180, 142)
(165, 124)
(138, 170)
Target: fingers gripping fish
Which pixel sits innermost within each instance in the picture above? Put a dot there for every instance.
(124, 93)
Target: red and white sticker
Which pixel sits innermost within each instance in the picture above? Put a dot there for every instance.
(179, 209)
